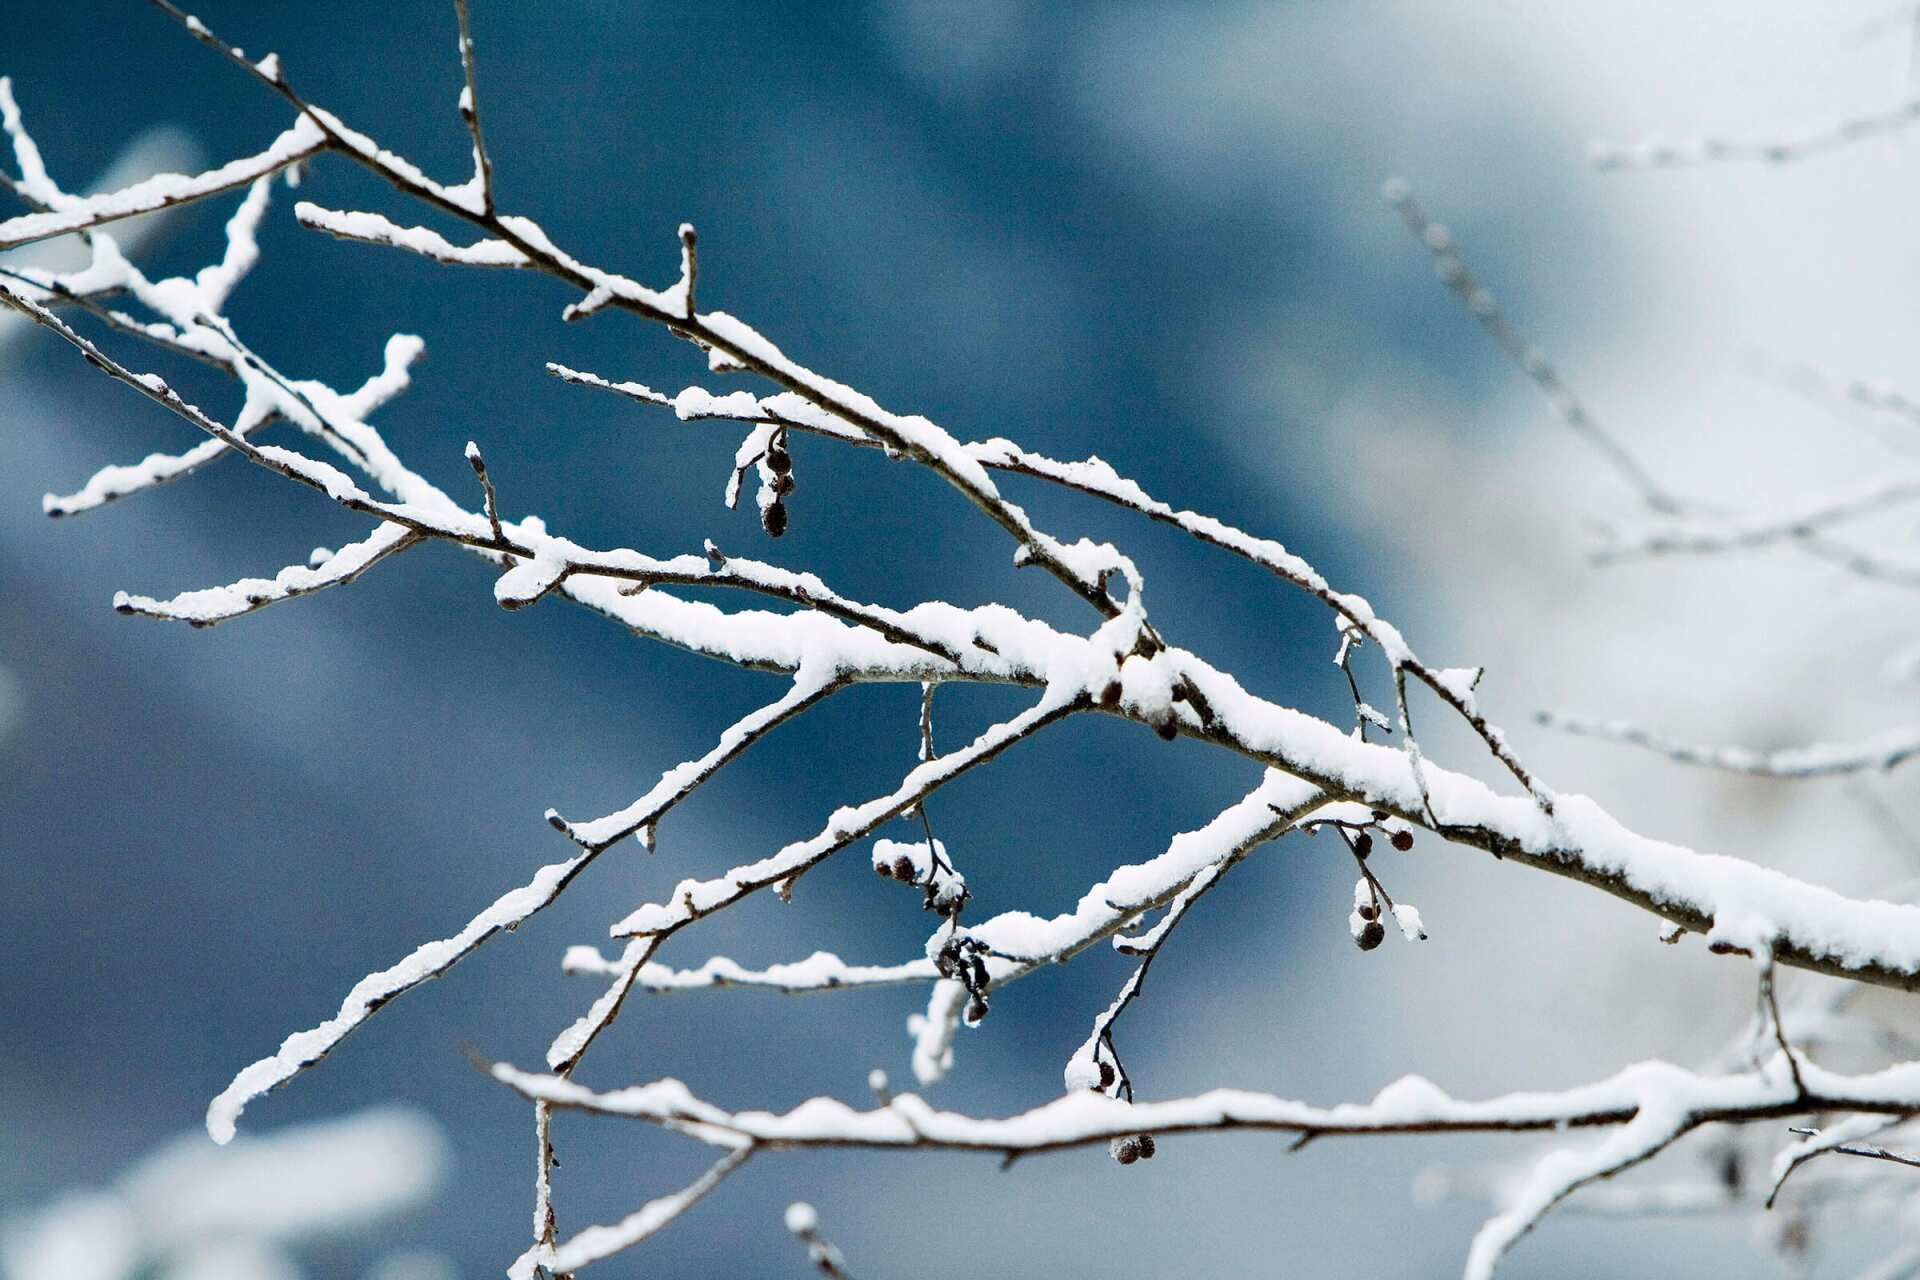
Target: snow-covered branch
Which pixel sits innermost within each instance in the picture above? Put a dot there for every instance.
(1881, 752)
(1689, 538)
(1096, 478)
(217, 604)
(1785, 148)
(821, 971)
(301, 141)
(1648, 1106)
(305, 1048)
(593, 1244)
(371, 228)
(1314, 775)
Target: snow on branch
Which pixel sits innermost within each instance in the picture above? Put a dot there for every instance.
(33, 185)
(1096, 478)
(537, 562)
(1881, 752)
(470, 110)
(693, 899)
(165, 190)
(1688, 888)
(1836, 1138)
(908, 436)
(1810, 927)
(191, 326)
(305, 1048)
(1315, 775)
(1696, 518)
(1017, 944)
(118, 481)
(1648, 1106)
(1566, 404)
(1737, 903)
(1658, 1119)
(217, 604)
(1688, 538)
(371, 228)
(1785, 148)
(821, 971)
(596, 1243)
(679, 782)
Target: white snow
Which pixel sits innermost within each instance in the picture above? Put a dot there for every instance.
(303, 139)
(372, 228)
(261, 1195)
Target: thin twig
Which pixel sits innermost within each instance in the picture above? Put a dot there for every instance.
(470, 109)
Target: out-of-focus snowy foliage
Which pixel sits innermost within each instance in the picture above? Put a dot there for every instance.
(194, 1211)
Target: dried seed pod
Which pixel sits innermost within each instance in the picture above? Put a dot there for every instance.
(1106, 1075)
(1368, 911)
(903, 869)
(976, 1011)
(1146, 1145)
(1731, 1174)
(884, 870)
(1371, 936)
(773, 518)
(1363, 844)
(782, 485)
(1403, 840)
(779, 461)
(1125, 1150)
